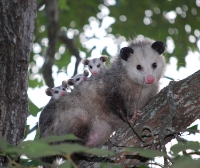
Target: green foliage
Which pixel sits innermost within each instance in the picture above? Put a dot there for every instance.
(33, 150)
(26, 131)
(193, 128)
(36, 149)
(33, 108)
(181, 147)
(185, 162)
(178, 158)
(146, 153)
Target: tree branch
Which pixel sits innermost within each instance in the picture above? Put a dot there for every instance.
(52, 13)
(72, 48)
(172, 110)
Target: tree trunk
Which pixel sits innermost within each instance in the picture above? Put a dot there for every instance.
(17, 19)
(169, 113)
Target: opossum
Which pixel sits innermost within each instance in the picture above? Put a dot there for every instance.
(77, 79)
(57, 92)
(96, 65)
(100, 105)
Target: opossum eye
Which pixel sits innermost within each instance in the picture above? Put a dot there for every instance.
(98, 65)
(56, 92)
(139, 67)
(154, 65)
(90, 66)
(63, 89)
(77, 79)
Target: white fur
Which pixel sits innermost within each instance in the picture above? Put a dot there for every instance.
(79, 78)
(58, 92)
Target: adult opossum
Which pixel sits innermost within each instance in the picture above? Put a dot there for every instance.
(96, 108)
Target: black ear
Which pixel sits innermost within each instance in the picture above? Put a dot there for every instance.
(103, 58)
(159, 46)
(70, 82)
(126, 52)
(49, 92)
(65, 84)
(85, 61)
(85, 73)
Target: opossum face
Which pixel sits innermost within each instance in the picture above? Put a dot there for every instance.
(95, 65)
(144, 61)
(77, 79)
(56, 92)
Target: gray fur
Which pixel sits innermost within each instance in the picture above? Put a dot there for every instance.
(99, 105)
(57, 92)
(77, 79)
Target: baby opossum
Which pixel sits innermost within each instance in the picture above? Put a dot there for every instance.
(99, 105)
(77, 79)
(57, 92)
(96, 65)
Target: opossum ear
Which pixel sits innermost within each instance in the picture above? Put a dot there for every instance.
(103, 58)
(70, 82)
(86, 73)
(65, 84)
(159, 46)
(85, 61)
(126, 52)
(49, 92)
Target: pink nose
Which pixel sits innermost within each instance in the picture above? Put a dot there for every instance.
(62, 93)
(150, 79)
(84, 78)
(94, 72)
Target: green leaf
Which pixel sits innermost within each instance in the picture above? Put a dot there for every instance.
(186, 162)
(4, 145)
(194, 127)
(33, 108)
(63, 4)
(50, 139)
(76, 148)
(37, 135)
(33, 149)
(26, 131)
(145, 152)
(28, 162)
(34, 83)
(184, 146)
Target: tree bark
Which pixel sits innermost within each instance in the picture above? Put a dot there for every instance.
(169, 113)
(17, 19)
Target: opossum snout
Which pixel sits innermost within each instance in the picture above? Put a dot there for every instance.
(94, 72)
(150, 79)
(84, 78)
(62, 93)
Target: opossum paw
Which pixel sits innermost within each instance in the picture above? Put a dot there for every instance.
(134, 117)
